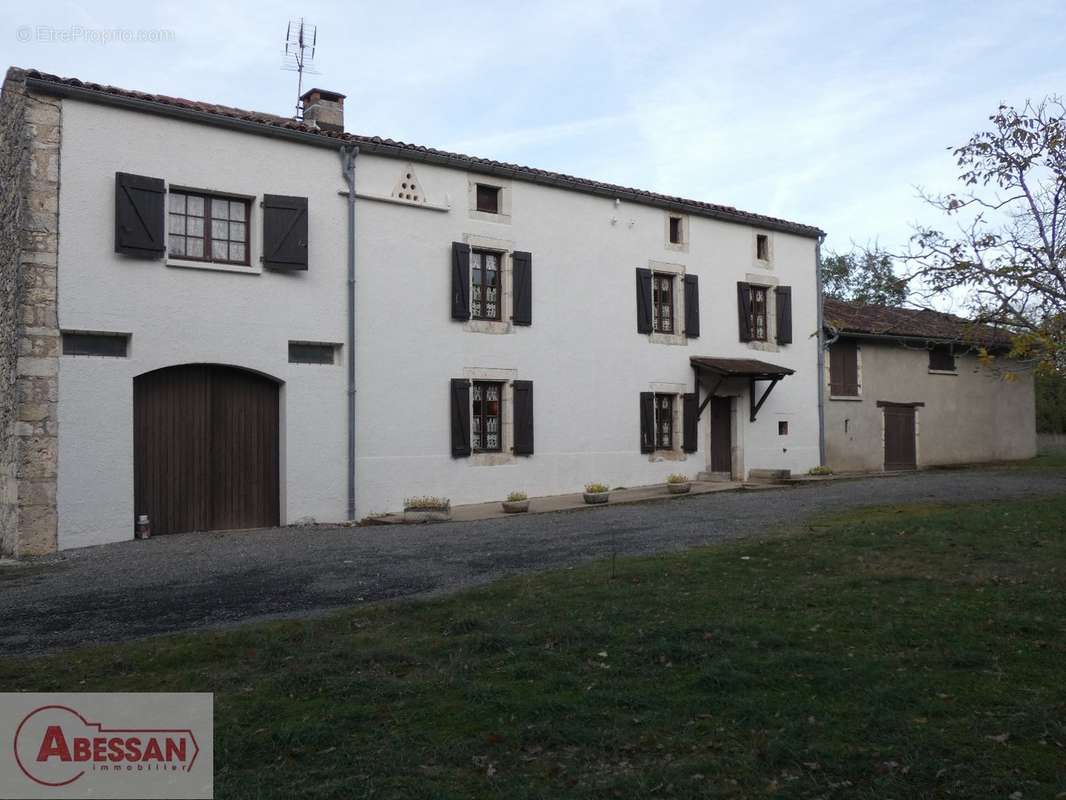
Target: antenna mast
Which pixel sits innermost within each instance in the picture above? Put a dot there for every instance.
(300, 39)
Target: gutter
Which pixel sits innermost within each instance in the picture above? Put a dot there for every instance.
(348, 155)
(390, 149)
(821, 351)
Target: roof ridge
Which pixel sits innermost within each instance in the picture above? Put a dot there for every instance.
(385, 146)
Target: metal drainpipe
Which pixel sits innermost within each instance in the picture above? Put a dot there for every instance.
(821, 353)
(348, 156)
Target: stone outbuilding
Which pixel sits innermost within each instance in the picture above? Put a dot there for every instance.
(910, 388)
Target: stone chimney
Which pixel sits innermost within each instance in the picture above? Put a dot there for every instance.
(325, 109)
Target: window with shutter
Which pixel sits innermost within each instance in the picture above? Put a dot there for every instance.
(460, 412)
(844, 368)
(692, 306)
(285, 232)
(487, 418)
(486, 290)
(690, 423)
(744, 311)
(460, 280)
(205, 227)
(522, 288)
(139, 216)
(523, 418)
(647, 422)
(664, 422)
(783, 303)
(644, 300)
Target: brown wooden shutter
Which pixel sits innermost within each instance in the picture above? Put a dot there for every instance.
(744, 311)
(460, 417)
(783, 297)
(844, 368)
(139, 216)
(284, 232)
(690, 423)
(522, 264)
(523, 418)
(692, 306)
(460, 280)
(647, 422)
(644, 319)
(942, 358)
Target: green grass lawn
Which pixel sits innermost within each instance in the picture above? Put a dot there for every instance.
(903, 653)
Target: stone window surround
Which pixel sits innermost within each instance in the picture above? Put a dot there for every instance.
(768, 282)
(682, 246)
(768, 263)
(675, 453)
(255, 263)
(506, 377)
(503, 184)
(504, 247)
(678, 271)
(858, 377)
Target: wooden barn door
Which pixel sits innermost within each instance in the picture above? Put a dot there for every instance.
(205, 442)
(900, 447)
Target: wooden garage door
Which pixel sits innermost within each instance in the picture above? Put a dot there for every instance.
(900, 449)
(205, 442)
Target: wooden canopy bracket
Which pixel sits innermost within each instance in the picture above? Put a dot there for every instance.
(710, 391)
(755, 408)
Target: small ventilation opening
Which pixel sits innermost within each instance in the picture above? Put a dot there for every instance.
(782, 427)
(111, 345)
(488, 198)
(675, 230)
(313, 353)
(762, 247)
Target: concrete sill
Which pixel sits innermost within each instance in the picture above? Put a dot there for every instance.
(944, 372)
(212, 267)
(845, 397)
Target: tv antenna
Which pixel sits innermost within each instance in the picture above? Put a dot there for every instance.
(300, 38)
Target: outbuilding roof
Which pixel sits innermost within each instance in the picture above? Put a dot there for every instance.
(867, 319)
(257, 121)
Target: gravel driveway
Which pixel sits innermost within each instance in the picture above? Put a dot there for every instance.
(172, 583)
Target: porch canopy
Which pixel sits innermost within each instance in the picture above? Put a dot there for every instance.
(711, 372)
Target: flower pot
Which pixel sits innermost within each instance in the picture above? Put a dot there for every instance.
(427, 514)
(679, 488)
(596, 498)
(515, 506)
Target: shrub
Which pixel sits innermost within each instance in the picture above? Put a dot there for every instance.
(515, 497)
(426, 503)
(677, 477)
(819, 471)
(596, 488)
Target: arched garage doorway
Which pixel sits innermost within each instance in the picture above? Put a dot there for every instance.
(205, 448)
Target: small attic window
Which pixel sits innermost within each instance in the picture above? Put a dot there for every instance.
(676, 230)
(762, 247)
(488, 198)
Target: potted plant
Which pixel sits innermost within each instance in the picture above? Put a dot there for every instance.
(596, 493)
(516, 503)
(678, 483)
(427, 509)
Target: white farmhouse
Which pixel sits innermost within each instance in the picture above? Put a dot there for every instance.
(228, 319)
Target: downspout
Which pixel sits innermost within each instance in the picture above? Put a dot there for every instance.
(821, 352)
(348, 156)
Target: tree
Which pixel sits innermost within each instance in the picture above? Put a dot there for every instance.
(1051, 402)
(1007, 251)
(865, 275)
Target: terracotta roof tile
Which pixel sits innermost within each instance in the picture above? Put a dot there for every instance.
(398, 148)
(889, 321)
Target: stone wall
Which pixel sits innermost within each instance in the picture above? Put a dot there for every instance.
(30, 134)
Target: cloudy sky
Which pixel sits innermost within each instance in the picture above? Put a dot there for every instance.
(828, 113)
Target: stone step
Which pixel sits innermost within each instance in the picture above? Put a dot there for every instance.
(770, 475)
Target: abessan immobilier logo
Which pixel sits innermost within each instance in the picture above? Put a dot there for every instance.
(121, 745)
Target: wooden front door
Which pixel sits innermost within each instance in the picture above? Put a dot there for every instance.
(900, 448)
(205, 448)
(722, 435)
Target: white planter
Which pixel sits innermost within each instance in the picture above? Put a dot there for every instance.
(515, 506)
(679, 488)
(596, 498)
